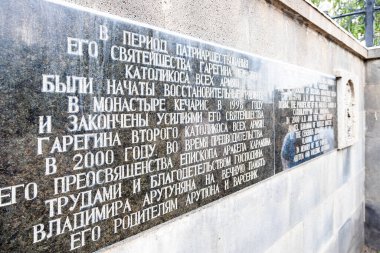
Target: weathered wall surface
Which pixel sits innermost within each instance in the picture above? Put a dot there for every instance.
(317, 207)
(372, 105)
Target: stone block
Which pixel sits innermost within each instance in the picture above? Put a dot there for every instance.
(356, 160)
(359, 188)
(343, 204)
(330, 174)
(292, 241)
(319, 226)
(148, 12)
(351, 234)
(310, 185)
(344, 166)
(372, 176)
(372, 120)
(332, 246)
(271, 204)
(373, 72)
(371, 97)
(299, 203)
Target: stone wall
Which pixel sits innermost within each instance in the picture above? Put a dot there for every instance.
(317, 207)
(372, 105)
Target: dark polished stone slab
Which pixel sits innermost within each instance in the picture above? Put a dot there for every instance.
(305, 105)
(109, 127)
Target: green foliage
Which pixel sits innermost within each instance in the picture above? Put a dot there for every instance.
(377, 29)
(354, 24)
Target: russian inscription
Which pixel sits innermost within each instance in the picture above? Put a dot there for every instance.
(110, 127)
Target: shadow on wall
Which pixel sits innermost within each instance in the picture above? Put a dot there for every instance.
(372, 225)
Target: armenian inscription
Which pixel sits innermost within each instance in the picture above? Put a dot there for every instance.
(109, 128)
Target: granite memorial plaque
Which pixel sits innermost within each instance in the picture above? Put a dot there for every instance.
(305, 116)
(110, 127)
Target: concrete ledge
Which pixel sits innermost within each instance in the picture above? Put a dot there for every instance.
(373, 53)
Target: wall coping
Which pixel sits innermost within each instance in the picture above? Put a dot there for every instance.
(308, 14)
(373, 53)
